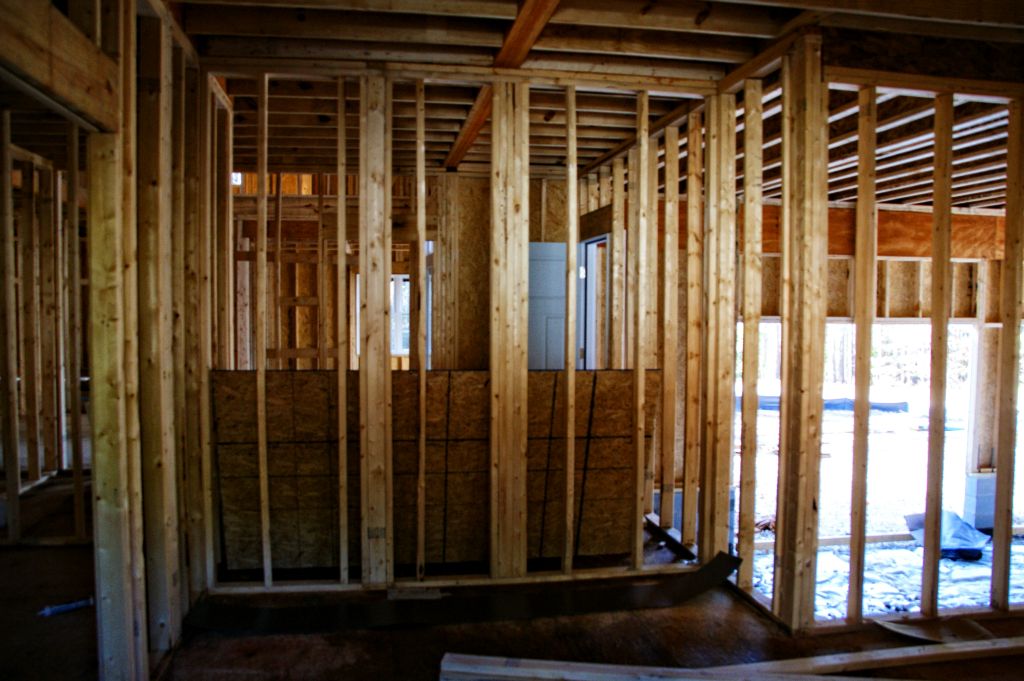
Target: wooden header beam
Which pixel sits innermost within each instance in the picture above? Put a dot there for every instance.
(41, 46)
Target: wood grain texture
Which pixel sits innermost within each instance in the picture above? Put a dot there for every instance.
(941, 285)
(864, 305)
(267, 560)
(1009, 360)
(156, 397)
(572, 246)
(669, 329)
(752, 278)
(8, 335)
(803, 318)
(720, 338)
(693, 421)
(374, 341)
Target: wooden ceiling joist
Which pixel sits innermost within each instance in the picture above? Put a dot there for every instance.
(644, 43)
(311, 24)
(678, 51)
(489, 9)
(531, 19)
(983, 12)
(686, 16)
(334, 50)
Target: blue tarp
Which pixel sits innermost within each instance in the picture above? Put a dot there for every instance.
(771, 403)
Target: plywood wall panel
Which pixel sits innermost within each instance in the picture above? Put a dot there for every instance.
(902, 288)
(303, 475)
(839, 280)
(473, 276)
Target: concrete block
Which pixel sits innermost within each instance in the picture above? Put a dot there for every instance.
(980, 500)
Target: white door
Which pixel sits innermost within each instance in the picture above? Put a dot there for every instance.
(546, 348)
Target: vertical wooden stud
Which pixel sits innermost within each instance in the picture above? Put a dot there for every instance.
(1010, 302)
(651, 317)
(618, 255)
(225, 244)
(75, 337)
(8, 336)
(571, 246)
(47, 207)
(28, 236)
(206, 275)
(752, 266)
(179, 312)
(865, 283)
(115, 599)
(195, 155)
(804, 245)
(720, 296)
(942, 283)
(508, 331)
(127, 49)
(421, 326)
(669, 327)
(343, 307)
(279, 317)
(156, 394)
(374, 346)
(322, 268)
(693, 421)
(640, 284)
(263, 118)
(632, 243)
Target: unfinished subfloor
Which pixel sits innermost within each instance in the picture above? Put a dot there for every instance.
(715, 628)
(32, 577)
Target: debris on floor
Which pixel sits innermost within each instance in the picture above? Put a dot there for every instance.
(958, 540)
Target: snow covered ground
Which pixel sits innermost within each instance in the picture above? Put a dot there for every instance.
(897, 465)
(892, 579)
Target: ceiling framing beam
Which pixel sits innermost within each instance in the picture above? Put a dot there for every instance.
(533, 16)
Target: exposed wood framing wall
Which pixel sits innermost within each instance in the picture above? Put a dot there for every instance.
(179, 283)
(804, 246)
(571, 246)
(8, 335)
(508, 330)
(942, 279)
(374, 340)
(693, 419)
(752, 276)
(720, 325)
(639, 239)
(156, 398)
(865, 282)
(342, 363)
(1009, 359)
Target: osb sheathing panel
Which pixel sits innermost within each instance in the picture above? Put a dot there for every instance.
(993, 287)
(302, 465)
(904, 283)
(924, 288)
(839, 289)
(474, 230)
(305, 315)
(604, 463)
(965, 284)
(301, 468)
(547, 210)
